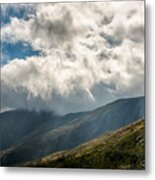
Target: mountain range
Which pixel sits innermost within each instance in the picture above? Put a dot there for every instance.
(29, 135)
(120, 149)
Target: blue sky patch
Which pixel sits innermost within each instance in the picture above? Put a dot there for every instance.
(17, 10)
(19, 50)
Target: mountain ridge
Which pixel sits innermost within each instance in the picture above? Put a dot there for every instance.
(108, 146)
(73, 132)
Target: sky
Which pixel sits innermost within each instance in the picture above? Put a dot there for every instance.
(71, 57)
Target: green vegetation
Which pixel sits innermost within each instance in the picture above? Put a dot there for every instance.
(120, 149)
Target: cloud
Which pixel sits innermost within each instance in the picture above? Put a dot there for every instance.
(91, 53)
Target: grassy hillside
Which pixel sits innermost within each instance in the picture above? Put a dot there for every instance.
(121, 149)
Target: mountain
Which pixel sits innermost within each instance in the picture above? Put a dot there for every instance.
(120, 149)
(70, 130)
(17, 125)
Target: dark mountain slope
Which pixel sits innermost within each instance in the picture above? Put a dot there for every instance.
(121, 149)
(17, 125)
(76, 131)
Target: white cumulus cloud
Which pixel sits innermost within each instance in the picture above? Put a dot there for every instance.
(91, 53)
